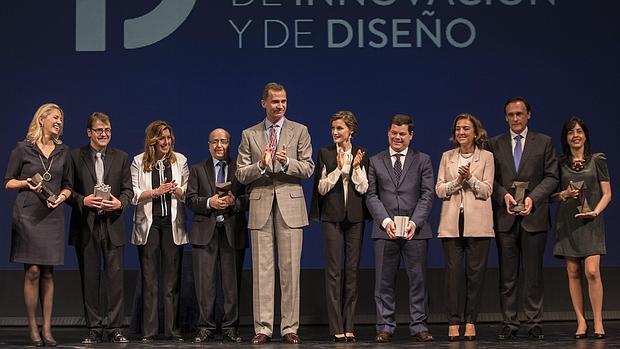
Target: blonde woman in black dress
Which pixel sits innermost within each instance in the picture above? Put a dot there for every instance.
(38, 226)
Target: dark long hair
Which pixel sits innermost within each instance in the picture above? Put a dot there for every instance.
(567, 156)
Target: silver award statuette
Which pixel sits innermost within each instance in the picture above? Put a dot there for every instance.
(102, 191)
(580, 186)
(401, 223)
(519, 195)
(36, 179)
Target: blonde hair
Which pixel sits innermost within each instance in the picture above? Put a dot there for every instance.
(35, 129)
(153, 133)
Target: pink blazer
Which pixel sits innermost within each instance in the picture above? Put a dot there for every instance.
(476, 193)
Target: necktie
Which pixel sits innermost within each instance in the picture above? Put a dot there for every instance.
(398, 167)
(99, 168)
(273, 136)
(221, 174)
(518, 151)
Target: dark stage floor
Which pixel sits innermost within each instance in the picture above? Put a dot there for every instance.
(559, 335)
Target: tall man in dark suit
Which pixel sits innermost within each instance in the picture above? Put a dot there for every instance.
(218, 237)
(98, 227)
(401, 185)
(274, 156)
(522, 156)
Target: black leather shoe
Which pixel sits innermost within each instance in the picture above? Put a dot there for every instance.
(470, 338)
(147, 339)
(383, 337)
(423, 336)
(506, 333)
(232, 336)
(350, 338)
(536, 333)
(203, 335)
(116, 336)
(93, 337)
(176, 338)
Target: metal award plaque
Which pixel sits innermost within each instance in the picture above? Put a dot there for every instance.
(580, 186)
(36, 179)
(519, 195)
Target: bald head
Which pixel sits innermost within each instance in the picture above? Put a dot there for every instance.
(219, 143)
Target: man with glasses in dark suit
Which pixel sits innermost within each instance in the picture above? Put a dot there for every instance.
(101, 193)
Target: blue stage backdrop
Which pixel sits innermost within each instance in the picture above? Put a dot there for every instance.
(201, 64)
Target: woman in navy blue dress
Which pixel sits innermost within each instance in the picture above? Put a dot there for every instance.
(38, 225)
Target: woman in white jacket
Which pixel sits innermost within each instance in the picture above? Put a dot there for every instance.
(159, 177)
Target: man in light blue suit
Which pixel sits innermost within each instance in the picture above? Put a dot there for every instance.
(400, 184)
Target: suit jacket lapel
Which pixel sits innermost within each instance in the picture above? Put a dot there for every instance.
(107, 163)
(87, 159)
(260, 136)
(530, 143)
(387, 161)
(210, 173)
(285, 134)
(409, 159)
(505, 145)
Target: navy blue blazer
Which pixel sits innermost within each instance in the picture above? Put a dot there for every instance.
(412, 197)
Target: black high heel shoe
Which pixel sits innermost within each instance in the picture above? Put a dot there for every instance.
(36, 343)
(49, 341)
(342, 339)
(583, 335)
(599, 335)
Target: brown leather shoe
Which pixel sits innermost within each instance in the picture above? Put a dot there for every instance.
(423, 336)
(260, 338)
(383, 337)
(291, 338)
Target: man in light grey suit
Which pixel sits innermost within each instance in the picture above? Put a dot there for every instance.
(400, 183)
(274, 156)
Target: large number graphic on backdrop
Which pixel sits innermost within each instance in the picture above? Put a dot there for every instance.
(139, 32)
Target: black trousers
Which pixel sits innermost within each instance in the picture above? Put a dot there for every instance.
(515, 247)
(160, 248)
(341, 288)
(207, 260)
(473, 252)
(101, 289)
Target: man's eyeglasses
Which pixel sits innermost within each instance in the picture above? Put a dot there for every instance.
(100, 131)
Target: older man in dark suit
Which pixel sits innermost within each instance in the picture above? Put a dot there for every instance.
(98, 227)
(218, 237)
(400, 188)
(522, 155)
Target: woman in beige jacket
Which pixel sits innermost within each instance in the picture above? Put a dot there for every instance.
(465, 184)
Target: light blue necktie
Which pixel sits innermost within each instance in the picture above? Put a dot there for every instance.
(518, 151)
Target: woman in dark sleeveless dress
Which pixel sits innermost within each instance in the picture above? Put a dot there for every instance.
(38, 225)
(580, 230)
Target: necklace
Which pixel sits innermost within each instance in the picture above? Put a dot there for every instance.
(466, 157)
(47, 176)
(578, 164)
